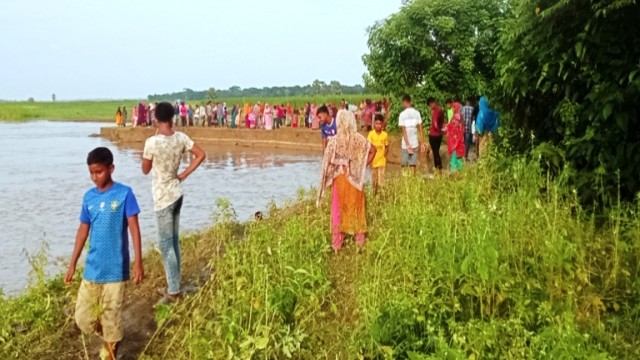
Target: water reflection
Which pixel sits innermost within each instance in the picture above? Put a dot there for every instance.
(45, 177)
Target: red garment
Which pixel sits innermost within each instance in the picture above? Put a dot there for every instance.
(455, 132)
(437, 122)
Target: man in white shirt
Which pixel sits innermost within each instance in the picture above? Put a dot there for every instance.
(412, 135)
(162, 156)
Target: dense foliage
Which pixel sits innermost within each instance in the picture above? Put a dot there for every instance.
(318, 87)
(564, 74)
(570, 77)
(436, 48)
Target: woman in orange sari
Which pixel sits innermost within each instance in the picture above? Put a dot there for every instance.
(343, 170)
(119, 117)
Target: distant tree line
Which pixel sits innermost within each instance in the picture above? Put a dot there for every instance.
(318, 87)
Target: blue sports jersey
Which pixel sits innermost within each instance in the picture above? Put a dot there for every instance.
(329, 131)
(106, 213)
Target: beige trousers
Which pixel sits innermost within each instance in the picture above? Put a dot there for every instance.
(99, 310)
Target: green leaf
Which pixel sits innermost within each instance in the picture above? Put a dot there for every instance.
(262, 342)
(607, 110)
(579, 49)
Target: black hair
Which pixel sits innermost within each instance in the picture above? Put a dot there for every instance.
(406, 98)
(164, 112)
(100, 155)
(431, 100)
(323, 110)
(379, 117)
(470, 99)
(449, 101)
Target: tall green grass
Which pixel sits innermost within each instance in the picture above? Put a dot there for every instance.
(495, 263)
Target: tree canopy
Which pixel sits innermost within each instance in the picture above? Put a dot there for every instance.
(569, 76)
(318, 87)
(439, 48)
(564, 74)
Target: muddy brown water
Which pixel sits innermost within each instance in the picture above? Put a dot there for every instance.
(44, 177)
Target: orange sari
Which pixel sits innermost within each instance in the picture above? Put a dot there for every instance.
(343, 169)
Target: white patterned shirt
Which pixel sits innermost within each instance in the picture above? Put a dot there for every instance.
(166, 153)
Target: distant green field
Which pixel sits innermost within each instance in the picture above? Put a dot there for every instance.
(105, 110)
(62, 110)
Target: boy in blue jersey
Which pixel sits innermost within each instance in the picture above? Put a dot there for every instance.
(108, 211)
(328, 129)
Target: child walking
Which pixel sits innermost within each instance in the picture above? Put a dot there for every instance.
(162, 154)
(107, 211)
(380, 140)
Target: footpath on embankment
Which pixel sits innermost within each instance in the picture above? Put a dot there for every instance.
(286, 139)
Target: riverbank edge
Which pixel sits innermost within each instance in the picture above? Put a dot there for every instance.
(288, 139)
(88, 120)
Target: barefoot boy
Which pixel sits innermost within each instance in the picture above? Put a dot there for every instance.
(162, 154)
(107, 211)
(380, 140)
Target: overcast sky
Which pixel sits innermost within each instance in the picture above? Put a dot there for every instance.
(102, 49)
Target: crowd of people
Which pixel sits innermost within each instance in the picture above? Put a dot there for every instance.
(260, 115)
(347, 154)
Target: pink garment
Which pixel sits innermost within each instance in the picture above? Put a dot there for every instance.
(268, 118)
(337, 236)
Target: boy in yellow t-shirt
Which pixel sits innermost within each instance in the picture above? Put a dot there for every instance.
(380, 140)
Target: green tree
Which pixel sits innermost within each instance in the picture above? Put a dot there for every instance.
(335, 88)
(212, 94)
(319, 87)
(570, 77)
(435, 47)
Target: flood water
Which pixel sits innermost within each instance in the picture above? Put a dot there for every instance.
(44, 177)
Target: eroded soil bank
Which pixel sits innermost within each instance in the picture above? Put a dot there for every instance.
(286, 139)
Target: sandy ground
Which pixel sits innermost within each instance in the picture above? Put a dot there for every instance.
(305, 141)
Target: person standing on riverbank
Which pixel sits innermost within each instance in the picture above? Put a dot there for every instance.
(436, 131)
(467, 119)
(108, 210)
(410, 123)
(455, 139)
(344, 167)
(162, 154)
(486, 125)
(119, 117)
(267, 116)
(380, 140)
(183, 114)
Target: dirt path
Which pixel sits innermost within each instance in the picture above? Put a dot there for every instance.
(138, 317)
(343, 268)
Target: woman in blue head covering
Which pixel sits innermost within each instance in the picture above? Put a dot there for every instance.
(486, 125)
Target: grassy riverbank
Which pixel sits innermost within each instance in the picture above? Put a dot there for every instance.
(62, 110)
(497, 262)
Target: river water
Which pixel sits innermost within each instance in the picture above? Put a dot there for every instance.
(44, 177)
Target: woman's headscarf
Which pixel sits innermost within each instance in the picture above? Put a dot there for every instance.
(456, 110)
(346, 154)
(487, 120)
